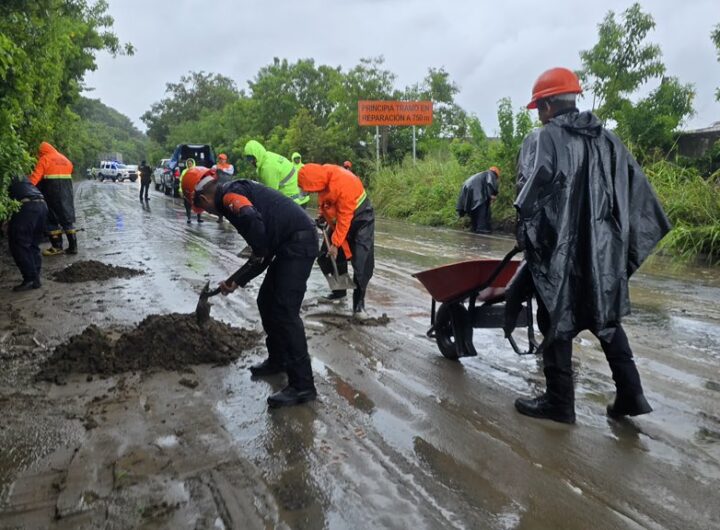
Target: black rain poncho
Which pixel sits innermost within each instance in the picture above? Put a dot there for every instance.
(588, 218)
(476, 190)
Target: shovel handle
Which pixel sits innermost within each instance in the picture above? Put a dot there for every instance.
(332, 259)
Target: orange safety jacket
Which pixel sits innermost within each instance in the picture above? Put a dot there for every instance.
(340, 193)
(50, 165)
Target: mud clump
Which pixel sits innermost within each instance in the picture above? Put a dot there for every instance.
(170, 342)
(92, 270)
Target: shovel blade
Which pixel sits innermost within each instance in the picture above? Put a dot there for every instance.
(341, 282)
(202, 311)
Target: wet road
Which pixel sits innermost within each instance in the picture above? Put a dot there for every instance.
(403, 438)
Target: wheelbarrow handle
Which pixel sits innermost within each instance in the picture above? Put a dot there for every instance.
(510, 255)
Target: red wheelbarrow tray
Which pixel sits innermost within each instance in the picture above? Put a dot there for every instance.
(459, 280)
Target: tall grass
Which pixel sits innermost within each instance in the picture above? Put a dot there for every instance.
(692, 204)
(426, 193)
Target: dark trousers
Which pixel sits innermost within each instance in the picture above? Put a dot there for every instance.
(557, 363)
(144, 188)
(361, 239)
(188, 209)
(279, 300)
(25, 231)
(60, 201)
(481, 219)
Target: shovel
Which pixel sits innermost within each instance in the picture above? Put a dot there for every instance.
(337, 281)
(202, 311)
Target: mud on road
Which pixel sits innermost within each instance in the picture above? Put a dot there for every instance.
(399, 438)
(170, 342)
(92, 270)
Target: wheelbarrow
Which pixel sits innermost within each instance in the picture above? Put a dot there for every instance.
(471, 295)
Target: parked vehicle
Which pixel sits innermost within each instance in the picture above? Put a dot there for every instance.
(203, 154)
(127, 172)
(157, 176)
(108, 170)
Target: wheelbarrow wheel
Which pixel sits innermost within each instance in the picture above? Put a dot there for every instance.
(447, 335)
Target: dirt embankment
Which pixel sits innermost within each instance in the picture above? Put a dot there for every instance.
(92, 270)
(169, 342)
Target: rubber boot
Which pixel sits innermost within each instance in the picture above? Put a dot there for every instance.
(628, 406)
(72, 244)
(56, 246)
(290, 396)
(358, 300)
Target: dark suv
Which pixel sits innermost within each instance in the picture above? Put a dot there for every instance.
(203, 154)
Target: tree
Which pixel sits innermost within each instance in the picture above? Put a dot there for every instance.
(187, 100)
(650, 124)
(715, 36)
(46, 47)
(621, 61)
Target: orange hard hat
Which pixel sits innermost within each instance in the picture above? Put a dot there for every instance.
(347, 164)
(495, 170)
(192, 178)
(554, 82)
(222, 156)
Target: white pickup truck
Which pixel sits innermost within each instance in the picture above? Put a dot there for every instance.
(157, 176)
(115, 171)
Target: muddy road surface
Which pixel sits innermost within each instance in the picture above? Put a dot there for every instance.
(400, 437)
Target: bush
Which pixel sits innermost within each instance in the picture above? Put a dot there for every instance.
(692, 204)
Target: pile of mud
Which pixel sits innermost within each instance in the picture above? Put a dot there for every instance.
(169, 342)
(85, 271)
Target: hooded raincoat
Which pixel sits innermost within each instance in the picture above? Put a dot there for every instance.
(298, 165)
(344, 204)
(276, 172)
(587, 219)
(53, 177)
(476, 191)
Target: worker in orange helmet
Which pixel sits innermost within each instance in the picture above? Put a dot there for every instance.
(347, 165)
(346, 208)
(284, 242)
(225, 172)
(53, 177)
(476, 197)
(587, 219)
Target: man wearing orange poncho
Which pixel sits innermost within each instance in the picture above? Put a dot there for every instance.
(344, 205)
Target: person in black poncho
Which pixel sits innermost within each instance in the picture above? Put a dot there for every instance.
(587, 219)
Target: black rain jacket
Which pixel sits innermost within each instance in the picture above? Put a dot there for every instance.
(475, 191)
(588, 218)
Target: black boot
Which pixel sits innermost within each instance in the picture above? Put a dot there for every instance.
(266, 368)
(27, 285)
(542, 408)
(290, 396)
(199, 219)
(358, 300)
(336, 295)
(72, 244)
(628, 406)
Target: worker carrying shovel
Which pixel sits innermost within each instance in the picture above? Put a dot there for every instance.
(284, 241)
(345, 207)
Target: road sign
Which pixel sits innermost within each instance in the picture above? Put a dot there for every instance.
(396, 113)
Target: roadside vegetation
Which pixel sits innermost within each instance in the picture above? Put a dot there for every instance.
(312, 108)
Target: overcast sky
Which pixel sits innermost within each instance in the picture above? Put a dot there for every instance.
(491, 49)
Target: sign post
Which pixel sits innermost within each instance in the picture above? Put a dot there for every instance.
(394, 113)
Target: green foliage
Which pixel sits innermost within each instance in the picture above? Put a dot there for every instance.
(46, 47)
(650, 124)
(620, 62)
(692, 204)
